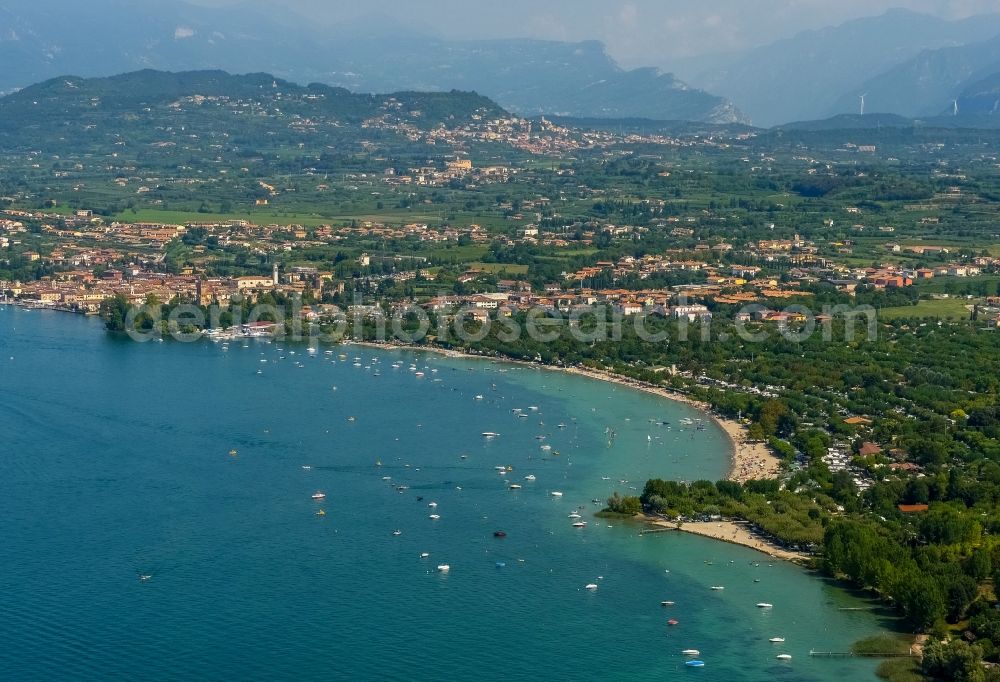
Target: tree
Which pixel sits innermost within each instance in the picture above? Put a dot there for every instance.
(957, 661)
(114, 311)
(629, 504)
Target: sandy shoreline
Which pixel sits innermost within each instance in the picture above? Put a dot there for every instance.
(750, 460)
(732, 532)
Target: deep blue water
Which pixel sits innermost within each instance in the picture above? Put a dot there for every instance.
(114, 463)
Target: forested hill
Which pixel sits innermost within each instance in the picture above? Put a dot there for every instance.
(142, 102)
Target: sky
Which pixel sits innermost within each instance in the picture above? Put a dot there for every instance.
(636, 32)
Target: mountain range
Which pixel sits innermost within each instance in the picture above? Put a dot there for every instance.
(42, 39)
(902, 62)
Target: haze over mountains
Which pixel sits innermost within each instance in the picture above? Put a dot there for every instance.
(904, 63)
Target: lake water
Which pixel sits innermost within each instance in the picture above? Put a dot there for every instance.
(115, 462)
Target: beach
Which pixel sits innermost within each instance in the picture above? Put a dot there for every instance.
(730, 531)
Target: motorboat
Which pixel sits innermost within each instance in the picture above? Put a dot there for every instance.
(444, 568)
(434, 517)
(397, 532)
(764, 605)
(515, 486)
(490, 434)
(717, 587)
(590, 586)
(556, 493)
(784, 657)
(529, 477)
(691, 652)
(499, 534)
(424, 555)
(695, 664)
(319, 495)
(777, 640)
(580, 524)
(672, 622)
(666, 603)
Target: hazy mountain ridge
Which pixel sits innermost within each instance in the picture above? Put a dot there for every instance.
(926, 84)
(981, 97)
(527, 76)
(819, 73)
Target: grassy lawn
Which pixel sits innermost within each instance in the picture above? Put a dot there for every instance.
(495, 268)
(949, 308)
(152, 215)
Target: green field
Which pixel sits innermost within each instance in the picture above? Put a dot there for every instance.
(948, 308)
(497, 268)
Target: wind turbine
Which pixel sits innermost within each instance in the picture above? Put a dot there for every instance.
(862, 98)
(954, 107)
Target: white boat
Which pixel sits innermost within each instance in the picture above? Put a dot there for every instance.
(515, 486)
(546, 447)
(444, 568)
(424, 555)
(717, 587)
(318, 495)
(490, 434)
(397, 532)
(590, 586)
(479, 397)
(666, 603)
(777, 640)
(432, 504)
(529, 477)
(306, 467)
(691, 652)
(764, 605)
(784, 657)
(555, 493)
(434, 517)
(574, 515)
(533, 408)
(580, 524)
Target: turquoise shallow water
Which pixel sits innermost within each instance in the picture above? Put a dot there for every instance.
(114, 463)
